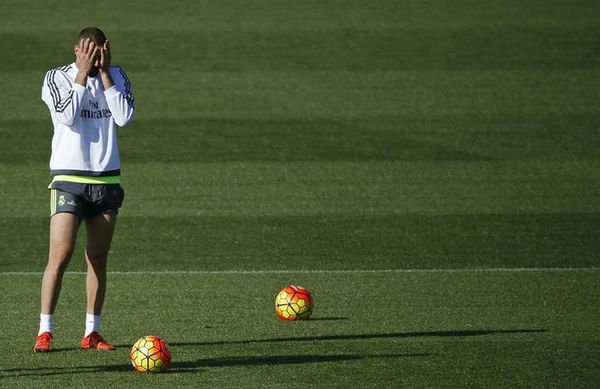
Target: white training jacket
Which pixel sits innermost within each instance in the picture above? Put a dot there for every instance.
(85, 121)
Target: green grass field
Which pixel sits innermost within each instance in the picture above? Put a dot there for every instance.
(430, 170)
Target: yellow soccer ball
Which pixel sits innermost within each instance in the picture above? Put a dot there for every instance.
(294, 303)
(150, 354)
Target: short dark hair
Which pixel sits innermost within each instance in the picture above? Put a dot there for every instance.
(94, 33)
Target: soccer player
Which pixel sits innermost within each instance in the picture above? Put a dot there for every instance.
(87, 100)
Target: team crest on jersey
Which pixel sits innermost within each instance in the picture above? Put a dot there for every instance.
(61, 200)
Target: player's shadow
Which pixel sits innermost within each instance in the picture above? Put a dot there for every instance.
(419, 334)
(274, 360)
(58, 371)
(193, 366)
(328, 318)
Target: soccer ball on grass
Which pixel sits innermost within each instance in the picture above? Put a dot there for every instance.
(150, 354)
(294, 303)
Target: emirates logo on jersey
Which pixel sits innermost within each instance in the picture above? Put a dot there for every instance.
(94, 112)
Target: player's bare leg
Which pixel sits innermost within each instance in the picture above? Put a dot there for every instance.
(100, 231)
(63, 234)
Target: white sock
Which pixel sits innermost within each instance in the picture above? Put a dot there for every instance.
(92, 323)
(46, 323)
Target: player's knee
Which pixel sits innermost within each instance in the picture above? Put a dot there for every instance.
(97, 257)
(59, 258)
(60, 253)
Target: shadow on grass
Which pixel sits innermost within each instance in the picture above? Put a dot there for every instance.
(420, 334)
(328, 318)
(274, 360)
(194, 366)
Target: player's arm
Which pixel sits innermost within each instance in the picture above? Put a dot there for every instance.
(117, 89)
(64, 97)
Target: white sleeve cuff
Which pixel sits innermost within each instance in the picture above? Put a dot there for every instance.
(78, 88)
(111, 92)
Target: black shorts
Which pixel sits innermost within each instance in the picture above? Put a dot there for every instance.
(85, 200)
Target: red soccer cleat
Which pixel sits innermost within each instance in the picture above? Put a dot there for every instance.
(95, 341)
(43, 343)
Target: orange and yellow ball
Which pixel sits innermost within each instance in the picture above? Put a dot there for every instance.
(294, 303)
(150, 354)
